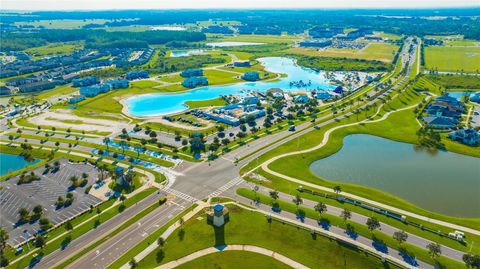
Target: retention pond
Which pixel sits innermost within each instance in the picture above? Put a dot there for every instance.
(446, 182)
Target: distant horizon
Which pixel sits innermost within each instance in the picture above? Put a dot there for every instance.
(125, 5)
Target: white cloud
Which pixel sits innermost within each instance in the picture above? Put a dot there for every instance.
(222, 4)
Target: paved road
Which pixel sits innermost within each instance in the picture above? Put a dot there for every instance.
(385, 228)
(115, 247)
(83, 241)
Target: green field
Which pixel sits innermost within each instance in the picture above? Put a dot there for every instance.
(63, 24)
(234, 260)
(54, 49)
(374, 51)
(218, 77)
(296, 244)
(206, 103)
(455, 59)
(260, 38)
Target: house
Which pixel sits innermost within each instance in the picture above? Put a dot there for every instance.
(94, 90)
(76, 98)
(316, 43)
(137, 74)
(249, 100)
(37, 86)
(4, 90)
(338, 90)
(441, 122)
(466, 136)
(275, 92)
(324, 96)
(242, 64)
(118, 83)
(300, 99)
(86, 81)
(475, 98)
(193, 82)
(251, 76)
(189, 72)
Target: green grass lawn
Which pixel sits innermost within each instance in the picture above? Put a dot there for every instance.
(374, 51)
(457, 59)
(54, 49)
(261, 38)
(218, 77)
(297, 244)
(234, 260)
(360, 228)
(171, 79)
(206, 103)
(400, 126)
(63, 24)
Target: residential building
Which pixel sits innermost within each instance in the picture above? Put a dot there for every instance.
(324, 95)
(118, 83)
(189, 72)
(137, 74)
(86, 81)
(475, 98)
(193, 82)
(37, 86)
(76, 98)
(300, 99)
(251, 76)
(465, 136)
(242, 64)
(441, 122)
(94, 90)
(249, 100)
(4, 90)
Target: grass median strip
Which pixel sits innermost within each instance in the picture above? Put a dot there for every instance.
(412, 250)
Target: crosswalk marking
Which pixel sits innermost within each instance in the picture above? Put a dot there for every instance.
(181, 195)
(228, 185)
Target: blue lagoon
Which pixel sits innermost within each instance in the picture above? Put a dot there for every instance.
(163, 103)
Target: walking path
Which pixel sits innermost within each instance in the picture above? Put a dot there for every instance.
(326, 137)
(277, 256)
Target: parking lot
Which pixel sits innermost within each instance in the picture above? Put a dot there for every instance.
(44, 192)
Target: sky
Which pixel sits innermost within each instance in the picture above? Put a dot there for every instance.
(224, 4)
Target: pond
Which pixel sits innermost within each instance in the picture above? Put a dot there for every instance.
(164, 103)
(232, 44)
(11, 162)
(446, 182)
(168, 28)
(183, 53)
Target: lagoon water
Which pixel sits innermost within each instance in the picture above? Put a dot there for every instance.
(161, 104)
(183, 53)
(10, 163)
(168, 28)
(447, 183)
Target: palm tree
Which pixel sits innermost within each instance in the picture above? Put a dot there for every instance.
(373, 224)
(346, 214)
(400, 236)
(297, 200)
(337, 189)
(106, 141)
(274, 195)
(123, 145)
(434, 250)
(320, 208)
